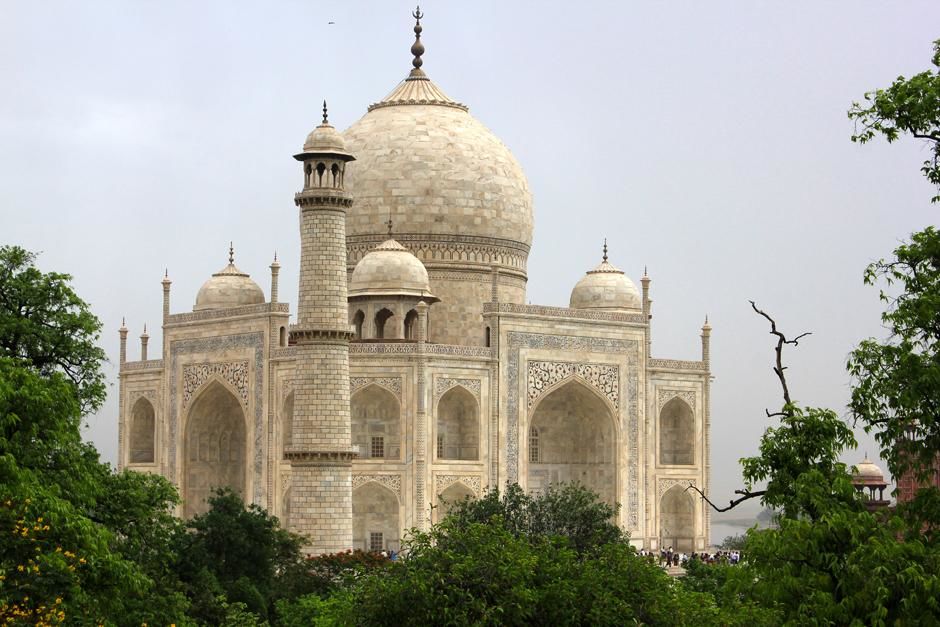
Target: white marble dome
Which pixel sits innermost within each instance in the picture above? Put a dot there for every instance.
(605, 287)
(390, 270)
(422, 159)
(229, 287)
(868, 472)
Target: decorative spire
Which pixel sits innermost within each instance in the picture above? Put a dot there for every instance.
(389, 225)
(417, 48)
(144, 334)
(326, 120)
(275, 263)
(123, 324)
(605, 249)
(231, 253)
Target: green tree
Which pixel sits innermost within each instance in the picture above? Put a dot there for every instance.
(239, 552)
(75, 551)
(910, 106)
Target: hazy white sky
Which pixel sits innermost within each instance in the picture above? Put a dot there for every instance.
(705, 140)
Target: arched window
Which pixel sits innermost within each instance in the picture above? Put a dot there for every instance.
(214, 448)
(358, 319)
(376, 524)
(282, 337)
(376, 423)
(487, 337)
(676, 433)
(335, 172)
(142, 433)
(411, 325)
(676, 519)
(287, 421)
(320, 170)
(381, 319)
(308, 170)
(458, 425)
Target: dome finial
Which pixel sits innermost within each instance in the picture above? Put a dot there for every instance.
(417, 48)
(231, 253)
(605, 249)
(325, 119)
(389, 225)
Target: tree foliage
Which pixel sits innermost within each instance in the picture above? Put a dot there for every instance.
(908, 107)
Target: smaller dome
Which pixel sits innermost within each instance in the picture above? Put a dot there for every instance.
(229, 287)
(325, 140)
(390, 269)
(605, 287)
(868, 472)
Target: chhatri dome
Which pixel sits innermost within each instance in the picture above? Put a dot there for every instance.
(390, 270)
(229, 287)
(605, 287)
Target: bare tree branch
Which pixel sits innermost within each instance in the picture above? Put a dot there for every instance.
(746, 495)
(781, 342)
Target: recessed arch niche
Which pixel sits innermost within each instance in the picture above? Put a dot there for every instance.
(450, 496)
(214, 454)
(142, 432)
(576, 441)
(676, 519)
(375, 511)
(458, 425)
(287, 421)
(676, 433)
(376, 423)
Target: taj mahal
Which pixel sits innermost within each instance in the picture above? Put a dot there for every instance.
(414, 373)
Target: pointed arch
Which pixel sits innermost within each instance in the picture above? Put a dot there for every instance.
(142, 432)
(676, 433)
(376, 518)
(577, 436)
(411, 325)
(458, 425)
(376, 423)
(358, 319)
(214, 446)
(451, 495)
(382, 327)
(677, 519)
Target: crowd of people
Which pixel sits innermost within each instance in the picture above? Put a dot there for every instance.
(668, 557)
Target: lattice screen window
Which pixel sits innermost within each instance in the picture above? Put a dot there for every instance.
(376, 540)
(378, 446)
(440, 447)
(534, 445)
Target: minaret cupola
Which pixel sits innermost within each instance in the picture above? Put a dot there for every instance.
(324, 157)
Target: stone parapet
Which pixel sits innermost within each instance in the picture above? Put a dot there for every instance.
(150, 364)
(564, 312)
(218, 314)
(677, 364)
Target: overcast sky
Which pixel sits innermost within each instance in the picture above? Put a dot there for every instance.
(706, 140)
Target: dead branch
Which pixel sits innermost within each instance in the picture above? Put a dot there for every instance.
(746, 495)
(781, 342)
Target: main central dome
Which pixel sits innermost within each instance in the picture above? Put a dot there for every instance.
(456, 195)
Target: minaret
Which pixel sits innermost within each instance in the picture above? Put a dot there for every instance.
(320, 452)
(275, 269)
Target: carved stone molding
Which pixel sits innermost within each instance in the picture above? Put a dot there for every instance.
(665, 484)
(443, 384)
(150, 395)
(220, 345)
(411, 348)
(392, 384)
(664, 396)
(150, 364)
(235, 373)
(630, 349)
(214, 314)
(564, 312)
(542, 375)
(392, 482)
(442, 482)
(677, 364)
(451, 249)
